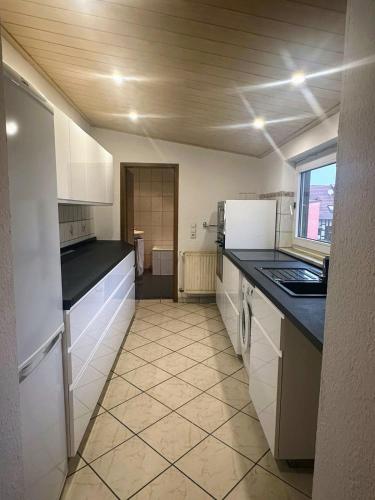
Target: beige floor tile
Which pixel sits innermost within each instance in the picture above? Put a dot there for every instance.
(118, 391)
(224, 363)
(202, 376)
(260, 485)
(217, 341)
(129, 467)
(190, 308)
(75, 464)
(175, 342)
(231, 351)
(146, 376)
(299, 478)
(232, 392)
(173, 436)
(212, 325)
(250, 410)
(198, 352)
(138, 325)
(148, 302)
(140, 412)
(155, 333)
(174, 363)
(214, 466)
(85, 485)
(195, 333)
(175, 325)
(157, 319)
(174, 392)
(159, 308)
(171, 485)
(245, 435)
(175, 313)
(134, 341)
(193, 318)
(98, 411)
(105, 432)
(209, 313)
(152, 351)
(127, 362)
(142, 313)
(241, 375)
(207, 412)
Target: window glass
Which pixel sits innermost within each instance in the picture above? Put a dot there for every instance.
(317, 203)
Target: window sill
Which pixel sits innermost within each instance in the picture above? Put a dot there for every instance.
(310, 256)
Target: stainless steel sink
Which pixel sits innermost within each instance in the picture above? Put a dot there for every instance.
(299, 282)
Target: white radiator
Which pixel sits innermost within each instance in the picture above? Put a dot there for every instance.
(200, 272)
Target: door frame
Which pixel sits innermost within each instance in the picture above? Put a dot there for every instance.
(124, 166)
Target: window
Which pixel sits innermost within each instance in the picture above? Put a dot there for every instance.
(316, 201)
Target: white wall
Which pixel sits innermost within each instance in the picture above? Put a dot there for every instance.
(11, 472)
(345, 453)
(278, 174)
(205, 177)
(17, 62)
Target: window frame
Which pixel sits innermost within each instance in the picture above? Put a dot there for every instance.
(316, 246)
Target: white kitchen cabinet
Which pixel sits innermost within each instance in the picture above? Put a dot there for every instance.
(95, 328)
(62, 151)
(228, 301)
(84, 167)
(284, 381)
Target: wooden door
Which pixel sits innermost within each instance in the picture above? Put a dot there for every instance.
(129, 200)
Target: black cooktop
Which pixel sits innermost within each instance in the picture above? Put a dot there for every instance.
(262, 255)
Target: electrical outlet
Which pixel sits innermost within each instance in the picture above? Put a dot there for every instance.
(193, 231)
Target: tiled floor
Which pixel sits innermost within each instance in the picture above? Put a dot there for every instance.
(176, 421)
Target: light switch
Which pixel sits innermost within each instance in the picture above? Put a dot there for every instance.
(193, 231)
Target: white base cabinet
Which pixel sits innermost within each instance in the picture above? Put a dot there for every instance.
(284, 381)
(84, 167)
(228, 300)
(95, 329)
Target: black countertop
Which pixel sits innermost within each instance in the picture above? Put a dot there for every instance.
(85, 264)
(307, 313)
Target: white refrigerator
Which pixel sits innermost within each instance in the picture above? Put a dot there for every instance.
(37, 283)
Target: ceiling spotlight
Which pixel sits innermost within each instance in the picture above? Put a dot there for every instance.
(298, 78)
(259, 123)
(11, 128)
(118, 78)
(133, 116)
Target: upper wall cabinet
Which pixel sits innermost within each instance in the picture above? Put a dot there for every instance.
(84, 167)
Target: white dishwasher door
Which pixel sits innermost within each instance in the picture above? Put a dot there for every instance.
(265, 371)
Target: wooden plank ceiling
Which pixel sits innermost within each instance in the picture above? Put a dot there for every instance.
(185, 61)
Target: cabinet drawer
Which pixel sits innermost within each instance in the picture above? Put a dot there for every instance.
(231, 319)
(81, 350)
(83, 312)
(232, 281)
(86, 389)
(268, 316)
(264, 377)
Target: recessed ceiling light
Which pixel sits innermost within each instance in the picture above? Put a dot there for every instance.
(298, 78)
(133, 116)
(259, 123)
(118, 78)
(11, 128)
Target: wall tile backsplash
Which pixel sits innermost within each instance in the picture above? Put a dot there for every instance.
(76, 223)
(285, 216)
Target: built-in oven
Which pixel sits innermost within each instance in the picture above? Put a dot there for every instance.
(220, 245)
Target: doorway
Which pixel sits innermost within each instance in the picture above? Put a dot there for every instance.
(149, 220)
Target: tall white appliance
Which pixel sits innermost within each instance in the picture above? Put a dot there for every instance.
(244, 224)
(37, 282)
